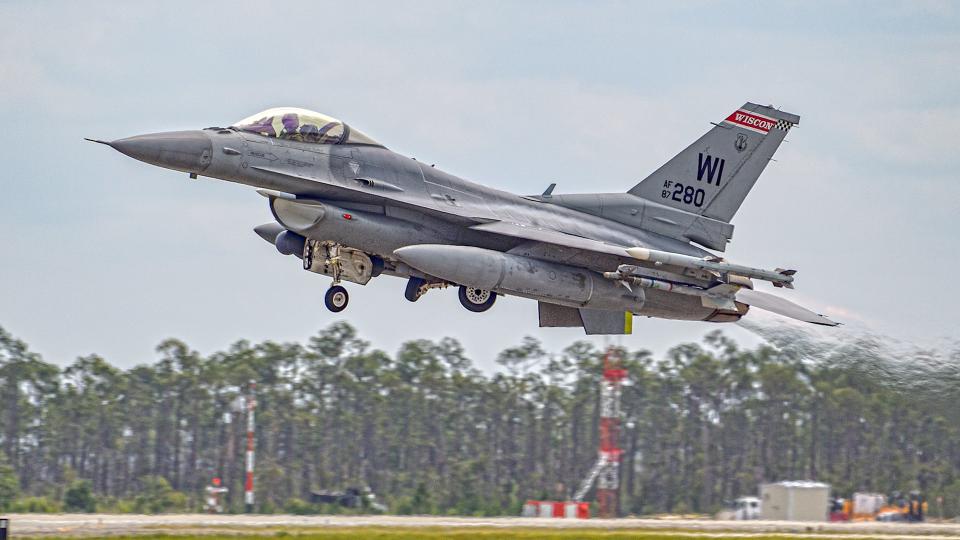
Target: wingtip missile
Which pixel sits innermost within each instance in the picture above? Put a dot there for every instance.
(779, 277)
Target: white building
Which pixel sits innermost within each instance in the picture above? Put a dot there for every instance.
(795, 501)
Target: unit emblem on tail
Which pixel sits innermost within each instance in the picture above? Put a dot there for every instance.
(741, 143)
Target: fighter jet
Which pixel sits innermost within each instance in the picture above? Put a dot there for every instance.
(353, 210)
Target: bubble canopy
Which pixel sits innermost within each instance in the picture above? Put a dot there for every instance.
(302, 125)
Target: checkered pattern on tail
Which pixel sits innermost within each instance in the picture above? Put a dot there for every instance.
(783, 125)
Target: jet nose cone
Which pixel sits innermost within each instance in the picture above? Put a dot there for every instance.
(188, 151)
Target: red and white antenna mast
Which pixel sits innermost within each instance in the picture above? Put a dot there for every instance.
(248, 496)
(606, 470)
(608, 482)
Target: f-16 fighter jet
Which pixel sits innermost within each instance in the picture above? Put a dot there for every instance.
(351, 209)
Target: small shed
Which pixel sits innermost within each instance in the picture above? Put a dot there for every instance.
(795, 501)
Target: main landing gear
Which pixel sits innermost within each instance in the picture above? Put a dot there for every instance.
(415, 288)
(472, 298)
(476, 300)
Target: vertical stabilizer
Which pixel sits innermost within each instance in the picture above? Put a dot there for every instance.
(712, 176)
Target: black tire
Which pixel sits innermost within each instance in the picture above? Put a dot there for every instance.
(477, 300)
(412, 292)
(336, 299)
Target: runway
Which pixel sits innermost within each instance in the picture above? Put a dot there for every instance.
(93, 525)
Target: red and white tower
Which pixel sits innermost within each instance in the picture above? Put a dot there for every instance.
(606, 471)
(608, 480)
(248, 497)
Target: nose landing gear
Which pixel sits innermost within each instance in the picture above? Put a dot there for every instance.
(336, 298)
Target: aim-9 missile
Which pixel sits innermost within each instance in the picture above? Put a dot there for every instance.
(717, 297)
(779, 277)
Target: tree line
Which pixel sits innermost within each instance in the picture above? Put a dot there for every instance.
(430, 433)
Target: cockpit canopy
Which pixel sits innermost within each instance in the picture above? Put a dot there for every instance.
(295, 124)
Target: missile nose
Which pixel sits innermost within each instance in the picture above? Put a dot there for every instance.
(188, 151)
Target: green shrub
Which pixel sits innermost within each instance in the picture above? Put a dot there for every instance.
(299, 507)
(267, 507)
(156, 496)
(114, 505)
(39, 505)
(79, 497)
(9, 484)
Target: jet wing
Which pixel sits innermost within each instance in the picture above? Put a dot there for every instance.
(373, 191)
(549, 236)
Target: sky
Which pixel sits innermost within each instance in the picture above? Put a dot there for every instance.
(103, 254)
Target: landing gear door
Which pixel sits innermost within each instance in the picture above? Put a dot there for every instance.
(338, 262)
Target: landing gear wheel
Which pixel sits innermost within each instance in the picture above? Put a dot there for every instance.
(476, 300)
(412, 292)
(336, 298)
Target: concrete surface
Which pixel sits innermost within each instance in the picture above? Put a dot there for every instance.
(107, 524)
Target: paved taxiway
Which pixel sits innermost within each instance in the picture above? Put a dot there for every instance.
(103, 524)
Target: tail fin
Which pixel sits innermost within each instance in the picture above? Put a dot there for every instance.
(713, 175)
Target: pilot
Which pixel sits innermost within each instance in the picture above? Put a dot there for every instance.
(290, 125)
(310, 133)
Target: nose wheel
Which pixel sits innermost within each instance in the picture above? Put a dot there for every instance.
(336, 298)
(476, 300)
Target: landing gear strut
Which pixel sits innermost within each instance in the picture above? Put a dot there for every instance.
(477, 300)
(336, 298)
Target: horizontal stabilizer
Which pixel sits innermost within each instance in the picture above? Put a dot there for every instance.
(721, 297)
(781, 306)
